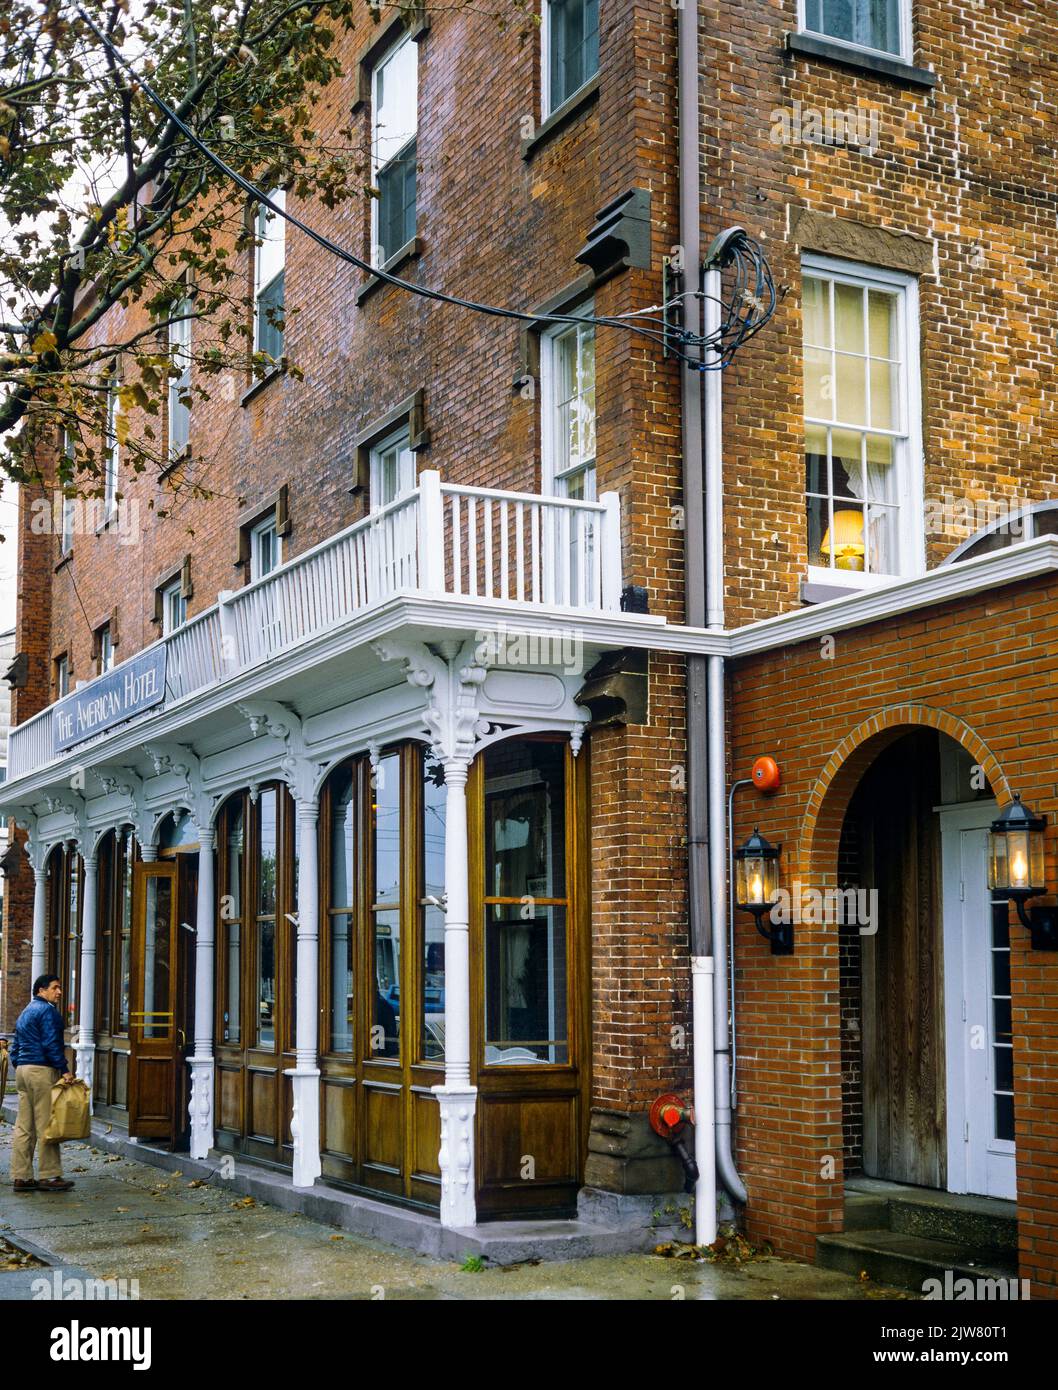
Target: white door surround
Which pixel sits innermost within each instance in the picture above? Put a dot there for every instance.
(976, 991)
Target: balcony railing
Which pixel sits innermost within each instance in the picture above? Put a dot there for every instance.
(475, 543)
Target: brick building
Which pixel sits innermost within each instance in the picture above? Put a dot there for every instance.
(453, 556)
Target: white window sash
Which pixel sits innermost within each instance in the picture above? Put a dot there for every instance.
(379, 166)
(262, 532)
(112, 461)
(910, 501)
(406, 479)
(906, 37)
(555, 471)
(274, 235)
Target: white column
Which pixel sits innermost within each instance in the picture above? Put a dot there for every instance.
(457, 1098)
(305, 1076)
(85, 1047)
(40, 916)
(201, 1061)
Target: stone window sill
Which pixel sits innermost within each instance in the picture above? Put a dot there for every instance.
(863, 60)
(410, 251)
(561, 116)
(255, 388)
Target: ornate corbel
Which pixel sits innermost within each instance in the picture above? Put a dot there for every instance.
(452, 678)
(182, 762)
(302, 773)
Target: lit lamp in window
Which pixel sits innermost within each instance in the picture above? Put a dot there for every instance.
(845, 539)
(1016, 872)
(757, 889)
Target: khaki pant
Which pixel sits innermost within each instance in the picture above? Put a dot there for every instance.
(34, 1111)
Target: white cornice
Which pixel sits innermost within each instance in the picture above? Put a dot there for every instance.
(1028, 560)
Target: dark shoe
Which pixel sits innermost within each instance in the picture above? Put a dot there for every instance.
(26, 1184)
(55, 1185)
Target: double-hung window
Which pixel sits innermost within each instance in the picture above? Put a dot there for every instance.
(266, 548)
(174, 607)
(268, 273)
(69, 504)
(105, 649)
(394, 130)
(570, 49)
(62, 676)
(111, 448)
(567, 367)
(882, 26)
(180, 378)
(863, 451)
(392, 470)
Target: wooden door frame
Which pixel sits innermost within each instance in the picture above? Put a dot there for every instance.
(156, 1128)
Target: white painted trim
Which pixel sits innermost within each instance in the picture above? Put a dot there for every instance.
(1027, 560)
(905, 55)
(910, 455)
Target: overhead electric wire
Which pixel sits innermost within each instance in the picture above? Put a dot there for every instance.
(734, 329)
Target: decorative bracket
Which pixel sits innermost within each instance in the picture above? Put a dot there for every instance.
(453, 683)
(180, 760)
(302, 773)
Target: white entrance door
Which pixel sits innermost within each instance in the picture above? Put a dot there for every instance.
(980, 1052)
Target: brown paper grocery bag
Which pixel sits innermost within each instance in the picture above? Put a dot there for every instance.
(71, 1116)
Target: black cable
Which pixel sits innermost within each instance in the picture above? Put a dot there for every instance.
(729, 338)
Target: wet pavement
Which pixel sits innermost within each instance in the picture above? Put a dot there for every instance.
(180, 1238)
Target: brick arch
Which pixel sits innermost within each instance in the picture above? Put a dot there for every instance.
(829, 800)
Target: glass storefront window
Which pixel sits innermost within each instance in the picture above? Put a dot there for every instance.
(267, 849)
(385, 916)
(526, 1013)
(128, 859)
(341, 907)
(231, 922)
(434, 800)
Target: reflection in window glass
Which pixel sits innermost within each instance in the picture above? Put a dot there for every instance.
(128, 860)
(385, 1032)
(343, 877)
(157, 932)
(267, 845)
(434, 799)
(525, 904)
(109, 906)
(73, 943)
(231, 922)
(266, 983)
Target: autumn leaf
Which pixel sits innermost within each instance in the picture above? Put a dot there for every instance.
(45, 342)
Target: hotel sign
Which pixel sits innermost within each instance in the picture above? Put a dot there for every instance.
(134, 686)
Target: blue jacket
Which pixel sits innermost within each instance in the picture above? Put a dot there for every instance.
(39, 1038)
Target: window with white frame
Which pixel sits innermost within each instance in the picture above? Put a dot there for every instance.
(863, 450)
(394, 131)
(882, 26)
(68, 503)
(111, 447)
(567, 401)
(266, 548)
(570, 49)
(104, 649)
(269, 268)
(180, 379)
(62, 676)
(174, 607)
(392, 470)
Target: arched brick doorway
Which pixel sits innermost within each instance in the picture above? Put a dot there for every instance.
(896, 800)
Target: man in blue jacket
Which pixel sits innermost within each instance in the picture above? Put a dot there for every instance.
(39, 1058)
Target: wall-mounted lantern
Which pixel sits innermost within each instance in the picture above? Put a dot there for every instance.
(1016, 870)
(757, 889)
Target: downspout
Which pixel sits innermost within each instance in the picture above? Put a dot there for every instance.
(700, 923)
(723, 994)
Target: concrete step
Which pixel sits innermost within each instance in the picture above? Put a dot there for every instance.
(907, 1261)
(981, 1223)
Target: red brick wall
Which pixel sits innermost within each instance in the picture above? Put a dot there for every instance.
(981, 670)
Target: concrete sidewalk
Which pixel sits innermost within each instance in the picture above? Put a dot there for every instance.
(178, 1237)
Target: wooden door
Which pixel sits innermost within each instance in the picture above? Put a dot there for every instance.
(904, 1113)
(156, 1036)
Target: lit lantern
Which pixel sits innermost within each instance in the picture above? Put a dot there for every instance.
(1016, 869)
(757, 889)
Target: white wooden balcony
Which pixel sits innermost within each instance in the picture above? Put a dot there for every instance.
(478, 544)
